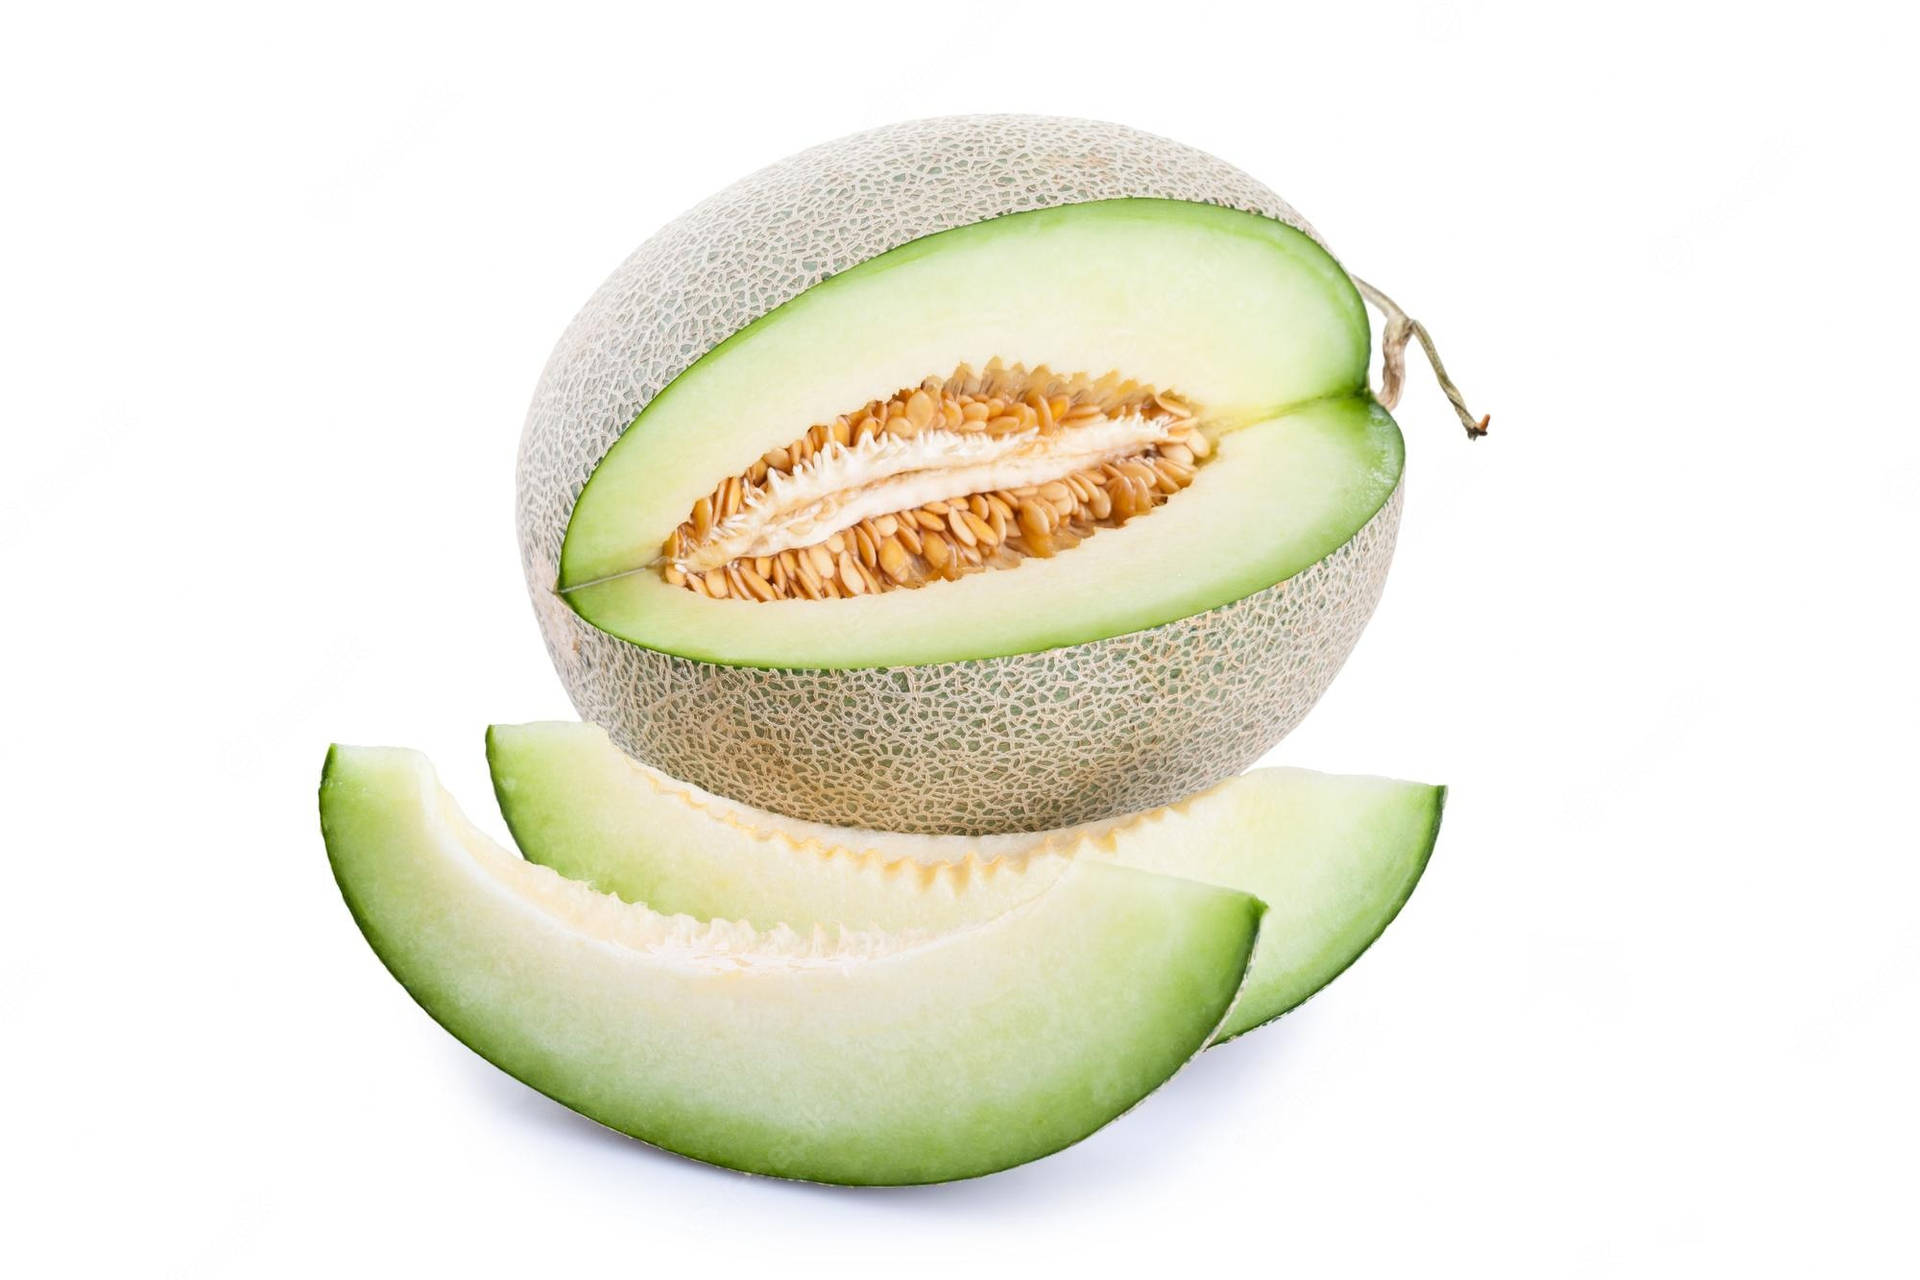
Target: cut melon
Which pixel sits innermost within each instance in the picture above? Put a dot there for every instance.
(953, 449)
(1245, 318)
(1333, 857)
(830, 1055)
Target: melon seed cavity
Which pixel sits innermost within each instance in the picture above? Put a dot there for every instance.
(977, 471)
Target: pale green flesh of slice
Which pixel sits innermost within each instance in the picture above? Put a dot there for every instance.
(1244, 316)
(1333, 857)
(836, 1057)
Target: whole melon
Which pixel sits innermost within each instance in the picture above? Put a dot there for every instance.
(968, 475)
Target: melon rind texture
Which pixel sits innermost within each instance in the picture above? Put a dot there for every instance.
(1023, 742)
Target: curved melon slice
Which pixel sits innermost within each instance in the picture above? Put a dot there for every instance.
(1333, 857)
(835, 1056)
(1246, 320)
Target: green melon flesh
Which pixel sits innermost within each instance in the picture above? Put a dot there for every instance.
(1333, 857)
(1245, 316)
(835, 1056)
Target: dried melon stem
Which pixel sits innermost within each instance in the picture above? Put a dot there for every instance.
(1393, 359)
(979, 470)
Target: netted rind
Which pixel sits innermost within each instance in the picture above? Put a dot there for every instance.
(1016, 743)
(1020, 743)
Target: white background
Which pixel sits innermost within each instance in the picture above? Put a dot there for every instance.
(274, 291)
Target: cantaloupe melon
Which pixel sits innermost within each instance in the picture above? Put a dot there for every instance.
(830, 1055)
(969, 475)
(1333, 857)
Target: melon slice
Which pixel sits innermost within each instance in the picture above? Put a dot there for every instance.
(1333, 857)
(825, 1054)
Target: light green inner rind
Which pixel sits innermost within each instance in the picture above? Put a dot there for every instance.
(1246, 316)
(848, 1058)
(1334, 857)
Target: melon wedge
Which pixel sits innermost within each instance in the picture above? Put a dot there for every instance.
(830, 1055)
(1333, 857)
